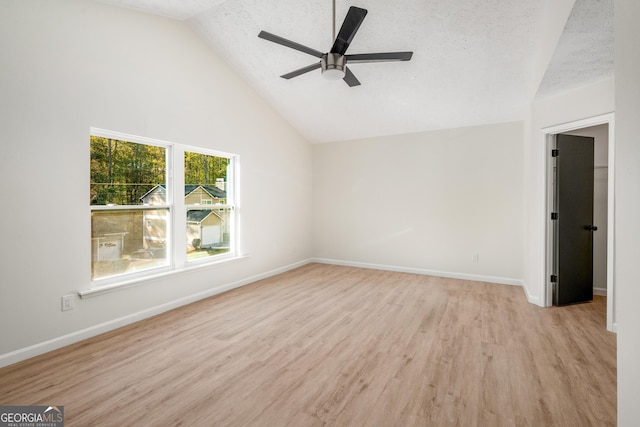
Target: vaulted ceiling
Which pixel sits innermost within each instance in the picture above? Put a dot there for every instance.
(473, 60)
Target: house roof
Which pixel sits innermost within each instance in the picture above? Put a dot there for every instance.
(199, 215)
(474, 62)
(214, 192)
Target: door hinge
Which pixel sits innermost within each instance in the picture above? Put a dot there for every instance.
(554, 278)
(554, 215)
(555, 153)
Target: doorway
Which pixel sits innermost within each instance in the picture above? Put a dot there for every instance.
(603, 168)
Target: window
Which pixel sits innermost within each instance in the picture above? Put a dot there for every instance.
(205, 193)
(135, 202)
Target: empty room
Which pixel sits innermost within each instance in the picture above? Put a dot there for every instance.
(415, 213)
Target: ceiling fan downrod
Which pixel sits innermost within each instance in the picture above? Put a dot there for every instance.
(333, 33)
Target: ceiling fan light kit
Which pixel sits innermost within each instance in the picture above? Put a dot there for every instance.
(333, 64)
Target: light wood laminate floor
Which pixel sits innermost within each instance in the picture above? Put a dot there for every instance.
(332, 345)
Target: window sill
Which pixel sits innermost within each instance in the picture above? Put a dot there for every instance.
(89, 293)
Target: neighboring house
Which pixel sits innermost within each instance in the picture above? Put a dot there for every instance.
(206, 226)
(108, 240)
(205, 194)
(193, 194)
(107, 247)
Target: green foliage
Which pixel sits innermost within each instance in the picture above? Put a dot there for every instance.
(196, 243)
(122, 171)
(202, 169)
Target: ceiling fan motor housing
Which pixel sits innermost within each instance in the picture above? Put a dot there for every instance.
(333, 66)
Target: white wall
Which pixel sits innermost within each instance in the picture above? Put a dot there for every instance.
(69, 65)
(600, 135)
(627, 182)
(425, 201)
(585, 102)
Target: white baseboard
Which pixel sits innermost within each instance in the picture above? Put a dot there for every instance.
(71, 338)
(462, 276)
(533, 300)
(600, 291)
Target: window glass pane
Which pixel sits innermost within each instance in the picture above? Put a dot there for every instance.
(126, 241)
(205, 195)
(127, 173)
(207, 232)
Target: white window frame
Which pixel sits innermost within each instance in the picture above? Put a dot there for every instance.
(231, 204)
(176, 223)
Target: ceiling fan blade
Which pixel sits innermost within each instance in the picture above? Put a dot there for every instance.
(350, 26)
(379, 57)
(349, 78)
(300, 71)
(288, 43)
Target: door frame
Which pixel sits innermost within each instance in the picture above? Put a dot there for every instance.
(548, 139)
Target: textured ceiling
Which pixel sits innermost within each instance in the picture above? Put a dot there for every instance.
(472, 64)
(585, 51)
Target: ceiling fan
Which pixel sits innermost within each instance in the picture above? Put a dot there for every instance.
(333, 64)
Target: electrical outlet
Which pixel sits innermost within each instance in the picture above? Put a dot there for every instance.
(67, 302)
(475, 257)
